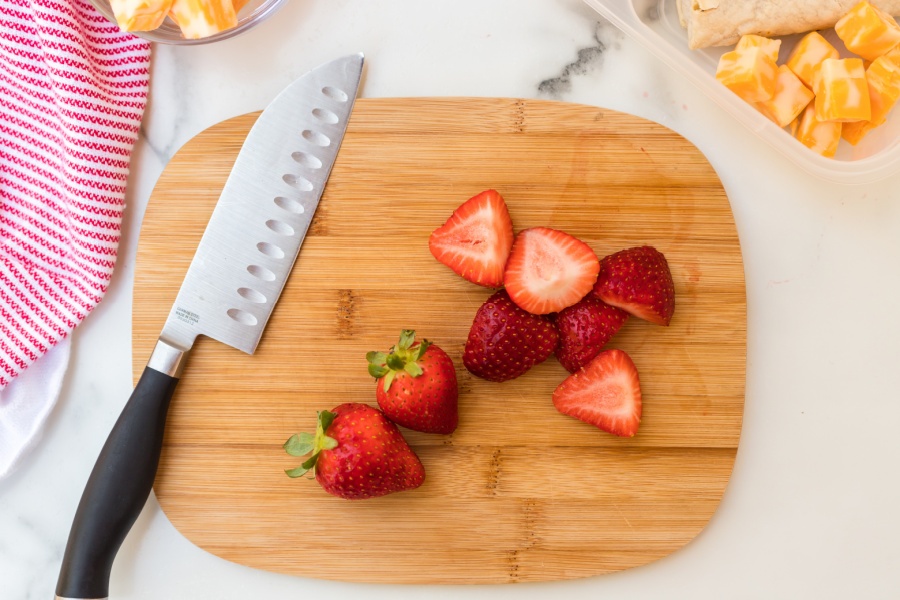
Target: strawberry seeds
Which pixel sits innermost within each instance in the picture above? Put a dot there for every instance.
(556, 296)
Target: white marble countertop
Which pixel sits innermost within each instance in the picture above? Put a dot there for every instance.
(811, 509)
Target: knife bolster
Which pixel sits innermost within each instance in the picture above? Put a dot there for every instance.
(167, 359)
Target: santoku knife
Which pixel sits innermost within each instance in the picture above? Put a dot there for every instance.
(235, 278)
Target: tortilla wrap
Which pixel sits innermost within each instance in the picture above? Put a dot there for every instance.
(723, 22)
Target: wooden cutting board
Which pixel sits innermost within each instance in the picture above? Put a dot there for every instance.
(519, 492)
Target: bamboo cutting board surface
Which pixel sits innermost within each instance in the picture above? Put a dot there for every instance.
(519, 492)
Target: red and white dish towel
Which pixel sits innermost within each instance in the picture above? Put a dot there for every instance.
(72, 94)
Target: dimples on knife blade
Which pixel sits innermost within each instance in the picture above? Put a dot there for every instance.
(266, 206)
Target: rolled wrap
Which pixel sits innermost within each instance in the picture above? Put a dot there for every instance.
(723, 22)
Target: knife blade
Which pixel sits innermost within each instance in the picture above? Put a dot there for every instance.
(235, 278)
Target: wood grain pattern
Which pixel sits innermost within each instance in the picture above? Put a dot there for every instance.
(519, 492)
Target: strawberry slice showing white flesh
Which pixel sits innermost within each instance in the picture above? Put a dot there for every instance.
(476, 239)
(605, 393)
(549, 270)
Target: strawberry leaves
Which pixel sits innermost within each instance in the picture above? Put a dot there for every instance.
(415, 385)
(301, 444)
(404, 357)
(363, 455)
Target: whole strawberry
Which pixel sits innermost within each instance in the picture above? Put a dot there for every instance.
(505, 341)
(356, 454)
(416, 385)
(584, 328)
(638, 281)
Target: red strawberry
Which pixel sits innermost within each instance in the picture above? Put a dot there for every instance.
(357, 453)
(549, 270)
(584, 328)
(606, 393)
(638, 281)
(416, 385)
(476, 239)
(505, 341)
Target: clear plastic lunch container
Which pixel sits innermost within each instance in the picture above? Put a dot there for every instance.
(654, 23)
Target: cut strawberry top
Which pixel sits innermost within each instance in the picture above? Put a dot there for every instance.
(638, 281)
(549, 270)
(476, 239)
(584, 328)
(606, 393)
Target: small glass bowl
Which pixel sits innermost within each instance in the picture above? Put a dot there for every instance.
(253, 13)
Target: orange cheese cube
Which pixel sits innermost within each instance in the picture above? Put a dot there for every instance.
(894, 55)
(239, 4)
(140, 15)
(790, 98)
(855, 132)
(795, 125)
(203, 18)
(883, 77)
(868, 31)
(842, 92)
(808, 54)
(749, 74)
(821, 137)
(768, 45)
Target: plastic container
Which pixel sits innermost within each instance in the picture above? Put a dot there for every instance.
(655, 24)
(253, 13)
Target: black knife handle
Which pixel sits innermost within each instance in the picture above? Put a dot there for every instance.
(117, 489)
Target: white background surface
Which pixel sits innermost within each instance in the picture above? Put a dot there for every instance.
(812, 507)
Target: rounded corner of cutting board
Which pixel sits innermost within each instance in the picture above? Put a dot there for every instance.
(608, 177)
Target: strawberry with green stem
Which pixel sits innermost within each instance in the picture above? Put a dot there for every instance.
(356, 453)
(416, 385)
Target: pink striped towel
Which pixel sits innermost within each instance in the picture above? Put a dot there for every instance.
(72, 94)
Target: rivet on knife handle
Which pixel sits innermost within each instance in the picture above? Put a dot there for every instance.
(236, 276)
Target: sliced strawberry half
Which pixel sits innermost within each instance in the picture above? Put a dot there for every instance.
(638, 281)
(605, 393)
(476, 239)
(549, 270)
(584, 328)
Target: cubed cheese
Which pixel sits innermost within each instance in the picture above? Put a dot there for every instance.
(868, 31)
(790, 98)
(203, 18)
(749, 74)
(140, 15)
(883, 77)
(821, 137)
(842, 93)
(768, 45)
(855, 132)
(808, 54)
(894, 55)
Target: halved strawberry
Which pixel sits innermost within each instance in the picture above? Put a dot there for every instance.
(505, 341)
(606, 393)
(638, 281)
(584, 328)
(549, 270)
(476, 239)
